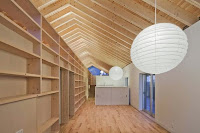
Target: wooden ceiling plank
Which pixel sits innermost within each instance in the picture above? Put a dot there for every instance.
(77, 26)
(91, 56)
(64, 26)
(103, 20)
(84, 17)
(106, 60)
(104, 52)
(194, 3)
(96, 41)
(143, 11)
(102, 35)
(100, 51)
(58, 14)
(57, 11)
(61, 21)
(108, 42)
(38, 3)
(114, 53)
(98, 12)
(91, 62)
(123, 13)
(109, 60)
(101, 65)
(54, 6)
(174, 11)
(97, 64)
(47, 4)
(103, 28)
(94, 27)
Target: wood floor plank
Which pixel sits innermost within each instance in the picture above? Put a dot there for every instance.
(110, 119)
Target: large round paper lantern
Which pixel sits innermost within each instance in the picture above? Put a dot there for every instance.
(116, 73)
(159, 48)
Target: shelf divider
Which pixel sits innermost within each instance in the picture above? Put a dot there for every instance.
(47, 124)
(16, 98)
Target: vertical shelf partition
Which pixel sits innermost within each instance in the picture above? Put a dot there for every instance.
(33, 55)
(48, 100)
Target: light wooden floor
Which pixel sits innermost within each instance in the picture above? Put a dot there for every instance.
(110, 119)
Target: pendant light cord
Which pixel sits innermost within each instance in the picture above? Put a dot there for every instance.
(155, 12)
(155, 36)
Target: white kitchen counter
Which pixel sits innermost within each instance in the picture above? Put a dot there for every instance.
(112, 86)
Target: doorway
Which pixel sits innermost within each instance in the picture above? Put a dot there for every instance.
(67, 95)
(71, 95)
(148, 98)
(64, 96)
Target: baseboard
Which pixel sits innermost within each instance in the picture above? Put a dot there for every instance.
(164, 126)
(154, 120)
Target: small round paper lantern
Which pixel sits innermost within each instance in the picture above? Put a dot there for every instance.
(159, 48)
(116, 73)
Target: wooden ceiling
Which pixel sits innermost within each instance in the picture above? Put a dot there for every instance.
(101, 32)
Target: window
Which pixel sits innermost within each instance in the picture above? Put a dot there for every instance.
(148, 94)
(95, 71)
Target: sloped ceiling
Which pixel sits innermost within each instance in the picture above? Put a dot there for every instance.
(101, 32)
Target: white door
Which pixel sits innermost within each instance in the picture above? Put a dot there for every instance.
(124, 96)
(103, 96)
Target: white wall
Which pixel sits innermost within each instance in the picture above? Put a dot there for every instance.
(132, 73)
(177, 91)
(107, 81)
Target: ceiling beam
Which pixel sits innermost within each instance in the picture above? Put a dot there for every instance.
(100, 48)
(194, 3)
(46, 4)
(91, 62)
(105, 65)
(98, 55)
(93, 22)
(64, 23)
(144, 12)
(70, 31)
(89, 30)
(98, 12)
(84, 10)
(96, 64)
(174, 11)
(89, 38)
(121, 12)
(115, 52)
(105, 29)
(93, 59)
(54, 7)
(105, 55)
(101, 54)
(87, 25)
(42, 3)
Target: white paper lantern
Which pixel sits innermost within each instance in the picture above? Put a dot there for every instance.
(116, 73)
(159, 48)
